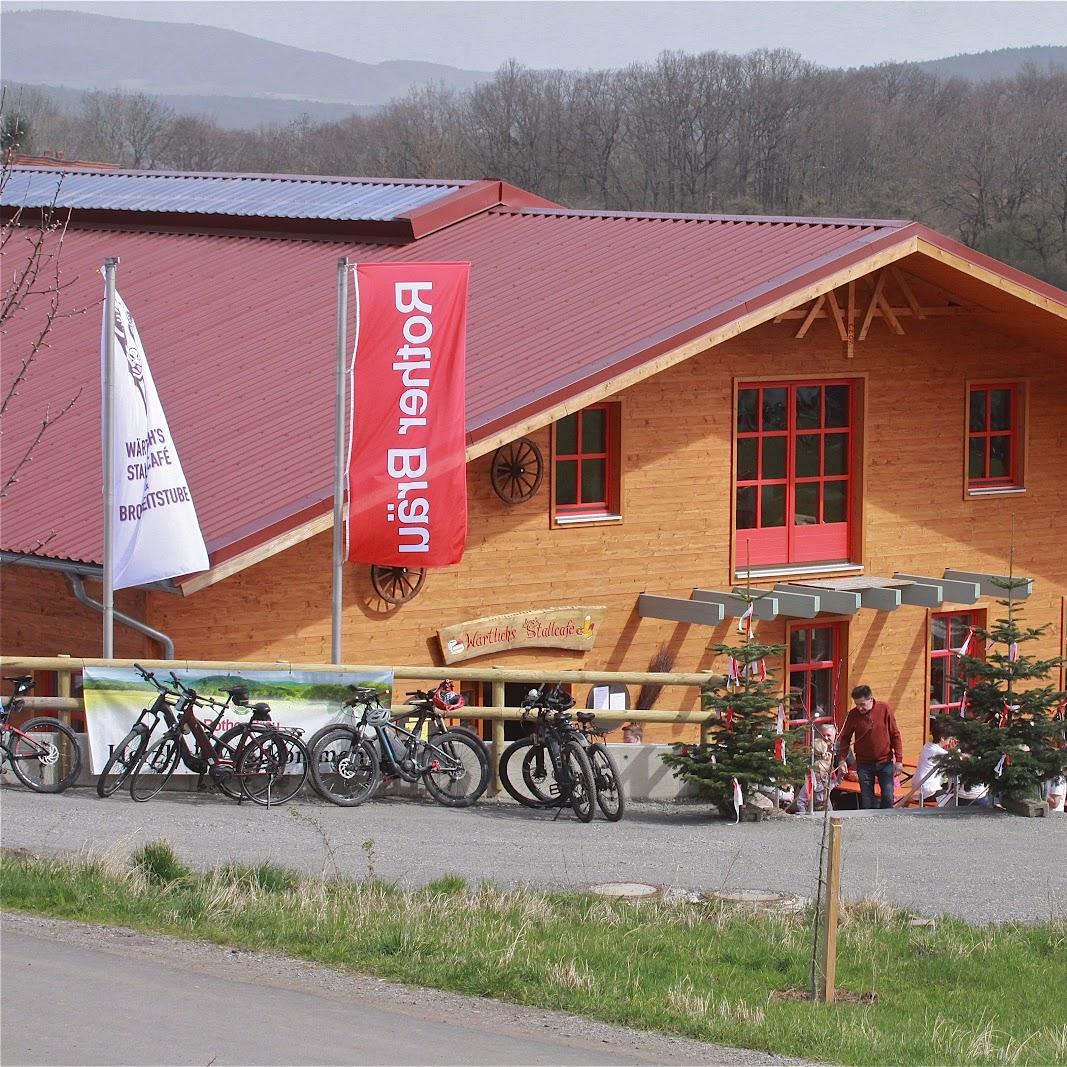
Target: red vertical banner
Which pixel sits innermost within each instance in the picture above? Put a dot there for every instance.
(407, 470)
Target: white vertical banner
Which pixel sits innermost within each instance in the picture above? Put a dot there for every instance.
(155, 532)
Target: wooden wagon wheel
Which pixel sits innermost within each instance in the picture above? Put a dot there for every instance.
(517, 470)
(397, 585)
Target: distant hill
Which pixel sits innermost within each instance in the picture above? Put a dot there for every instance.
(1000, 63)
(240, 81)
(229, 112)
(77, 50)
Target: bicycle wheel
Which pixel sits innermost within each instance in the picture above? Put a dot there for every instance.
(155, 767)
(120, 764)
(227, 745)
(580, 788)
(606, 780)
(512, 773)
(539, 777)
(273, 767)
(49, 759)
(345, 769)
(458, 768)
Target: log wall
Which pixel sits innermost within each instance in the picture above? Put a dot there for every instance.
(675, 531)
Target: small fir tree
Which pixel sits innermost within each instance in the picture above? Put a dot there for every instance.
(742, 732)
(1011, 739)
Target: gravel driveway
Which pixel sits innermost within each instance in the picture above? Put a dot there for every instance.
(979, 866)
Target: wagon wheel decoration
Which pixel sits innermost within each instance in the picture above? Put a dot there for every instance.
(517, 470)
(397, 585)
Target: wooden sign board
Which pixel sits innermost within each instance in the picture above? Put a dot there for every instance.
(575, 628)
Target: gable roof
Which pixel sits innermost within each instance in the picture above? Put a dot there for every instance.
(565, 307)
(390, 206)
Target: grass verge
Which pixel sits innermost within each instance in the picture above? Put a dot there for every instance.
(950, 994)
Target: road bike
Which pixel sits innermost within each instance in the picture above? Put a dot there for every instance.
(44, 753)
(550, 768)
(257, 759)
(350, 760)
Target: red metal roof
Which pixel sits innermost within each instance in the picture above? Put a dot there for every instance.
(240, 335)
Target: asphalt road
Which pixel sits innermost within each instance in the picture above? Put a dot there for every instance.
(980, 866)
(78, 994)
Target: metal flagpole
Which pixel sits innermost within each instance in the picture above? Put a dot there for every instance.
(107, 415)
(339, 457)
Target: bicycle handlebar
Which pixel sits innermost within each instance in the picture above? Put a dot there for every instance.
(197, 698)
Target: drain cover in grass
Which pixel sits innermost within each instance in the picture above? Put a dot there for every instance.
(627, 890)
(759, 898)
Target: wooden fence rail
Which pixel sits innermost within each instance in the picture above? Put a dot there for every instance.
(497, 713)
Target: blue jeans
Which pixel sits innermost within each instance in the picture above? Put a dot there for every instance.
(867, 773)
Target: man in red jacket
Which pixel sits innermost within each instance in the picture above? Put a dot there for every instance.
(871, 728)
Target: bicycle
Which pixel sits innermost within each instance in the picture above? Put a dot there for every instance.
(127, 753)
(554, 767)
(44, 753)
(348, 761)
(246, 761)
(606, 781)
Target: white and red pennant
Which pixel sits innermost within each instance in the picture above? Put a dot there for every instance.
(407, 473)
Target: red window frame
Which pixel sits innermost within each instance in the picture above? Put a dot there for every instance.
(794, 541)
(980, 441)
(956, 626)
(809, 672)
(608, 454)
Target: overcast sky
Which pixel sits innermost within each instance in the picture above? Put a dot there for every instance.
(608, 33)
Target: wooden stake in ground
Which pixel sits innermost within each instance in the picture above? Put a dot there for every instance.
(831, 910)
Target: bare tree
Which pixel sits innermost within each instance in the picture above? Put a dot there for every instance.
(31, 243)
(129, 129)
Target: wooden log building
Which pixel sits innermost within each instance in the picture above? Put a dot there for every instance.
(852, 414)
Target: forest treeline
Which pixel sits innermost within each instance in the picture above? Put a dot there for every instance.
(764, 133)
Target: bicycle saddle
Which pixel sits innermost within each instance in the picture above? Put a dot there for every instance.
(238, 694)
(585, 716)
(24, 681)
(362, 693)
(260, 711)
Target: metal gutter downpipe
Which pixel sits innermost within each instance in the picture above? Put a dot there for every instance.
(83, 597)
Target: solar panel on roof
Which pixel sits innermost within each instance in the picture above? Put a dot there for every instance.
(213, 194)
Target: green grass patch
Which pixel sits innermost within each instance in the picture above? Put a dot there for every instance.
(950, 994)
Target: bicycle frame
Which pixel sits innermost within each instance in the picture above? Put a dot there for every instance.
(414, 747)
(9, 732)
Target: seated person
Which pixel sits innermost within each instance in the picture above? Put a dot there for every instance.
(977, 795)
(826, 775)
(931, 784)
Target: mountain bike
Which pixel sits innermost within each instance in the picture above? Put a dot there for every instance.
(257, 760)
(44, 753)
(348, 761)
(606, 781)
(550, 767)
(127, 753)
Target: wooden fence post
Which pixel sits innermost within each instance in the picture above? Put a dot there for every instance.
(831, 910)
(498, 737)
(63, 714)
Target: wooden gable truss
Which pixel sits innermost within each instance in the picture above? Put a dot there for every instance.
(873, 295)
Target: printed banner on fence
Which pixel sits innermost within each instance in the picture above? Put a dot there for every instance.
(115, 697)
(155, 532)
(407, 471)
